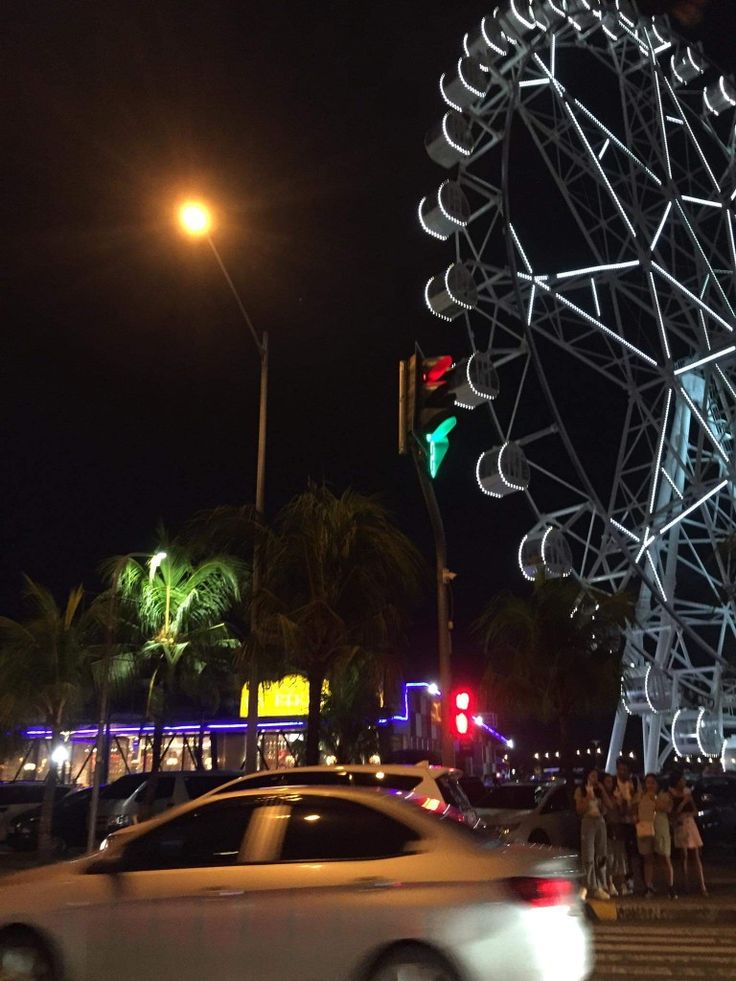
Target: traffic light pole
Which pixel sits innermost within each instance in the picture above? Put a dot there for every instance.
(444, 625)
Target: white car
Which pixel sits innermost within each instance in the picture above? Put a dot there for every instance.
(298, 885)
(538, 813)
(439, 782)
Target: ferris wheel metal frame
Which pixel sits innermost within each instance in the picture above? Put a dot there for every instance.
(649, 310)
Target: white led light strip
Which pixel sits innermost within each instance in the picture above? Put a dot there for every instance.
(520, 250)
(600, 170)
(425, 226)
(455, 146)
(660, 321)
(692, 135)
(704, 424)
(650, 560)
(710, 357)
(615, 140)
(662, 223)
(595, 269)
(625, 531)
(586, 316)
(703, 201)
(692, 296)
(693, 507)
(446, 98)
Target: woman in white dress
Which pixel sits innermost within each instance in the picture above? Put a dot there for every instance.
(687, 835)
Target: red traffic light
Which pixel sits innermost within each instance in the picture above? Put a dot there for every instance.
(462, 708)
(435, 369)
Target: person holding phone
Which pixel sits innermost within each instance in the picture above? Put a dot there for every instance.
(593, 847)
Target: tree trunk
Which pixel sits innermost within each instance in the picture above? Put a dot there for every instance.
(313, 719)
(214, 750)
(152, 784)
(45, 840)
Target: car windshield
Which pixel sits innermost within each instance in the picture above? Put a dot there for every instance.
(515, 797)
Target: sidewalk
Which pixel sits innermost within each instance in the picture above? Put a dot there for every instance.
(718, 907)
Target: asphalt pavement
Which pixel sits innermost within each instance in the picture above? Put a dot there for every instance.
(642, 951)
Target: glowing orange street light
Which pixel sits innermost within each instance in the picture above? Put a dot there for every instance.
(195, 218)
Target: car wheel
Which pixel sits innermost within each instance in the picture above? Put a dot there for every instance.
(539, 838)
(23, 957)
(413, 963)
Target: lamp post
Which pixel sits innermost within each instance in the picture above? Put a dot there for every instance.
(196, 220)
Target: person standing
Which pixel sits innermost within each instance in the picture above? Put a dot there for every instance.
(589, 807)
(687, 835)
(616, 864)
(624, 792)
(652, 809)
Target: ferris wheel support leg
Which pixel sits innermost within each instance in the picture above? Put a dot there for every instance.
(651, 732)
(617, 738)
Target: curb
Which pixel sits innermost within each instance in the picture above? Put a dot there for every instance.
(653, 912)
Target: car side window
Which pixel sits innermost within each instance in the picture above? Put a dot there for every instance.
(323, 830)
(556, 802)
(208, 837)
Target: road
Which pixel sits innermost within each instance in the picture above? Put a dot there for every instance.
(675, 950)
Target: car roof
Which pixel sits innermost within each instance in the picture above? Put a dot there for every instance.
(396, 768)
(376, 798)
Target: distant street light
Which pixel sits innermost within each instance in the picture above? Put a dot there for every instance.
(196, 221)
(195, 218)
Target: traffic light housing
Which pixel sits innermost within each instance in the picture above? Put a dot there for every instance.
(431, 406)
(463, 707)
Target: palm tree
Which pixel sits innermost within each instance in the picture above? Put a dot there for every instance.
(172, 610)
(45, 666)
(337, 578)
(552, 655)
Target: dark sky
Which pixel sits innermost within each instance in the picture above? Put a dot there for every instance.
(128, 382)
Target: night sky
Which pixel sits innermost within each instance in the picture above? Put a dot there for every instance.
(128, 382)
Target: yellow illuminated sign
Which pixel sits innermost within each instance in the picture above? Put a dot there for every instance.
(288, 697)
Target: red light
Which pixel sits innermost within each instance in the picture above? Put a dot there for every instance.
(435, 372)
(462, 701)
(462, 709)
(542, 892)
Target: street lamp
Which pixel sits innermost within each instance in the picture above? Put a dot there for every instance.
(195, 219)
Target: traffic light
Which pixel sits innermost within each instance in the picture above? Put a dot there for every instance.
(462, 711)
(432, 406)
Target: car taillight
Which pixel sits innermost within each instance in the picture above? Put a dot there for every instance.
(542, 892)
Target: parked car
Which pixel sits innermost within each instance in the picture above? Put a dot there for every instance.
(113, 797)
(715, 797)
(18, 796)
(293, 884)
(539, 813)
(438, 782)
(170, 789)
(68, 824)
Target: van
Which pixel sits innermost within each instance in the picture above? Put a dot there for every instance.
(170, 790)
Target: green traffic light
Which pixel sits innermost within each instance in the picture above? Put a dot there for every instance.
(439, 444)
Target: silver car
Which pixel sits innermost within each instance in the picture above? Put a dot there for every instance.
(538, 813)
(294, 885)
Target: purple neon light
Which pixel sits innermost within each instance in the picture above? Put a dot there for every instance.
(494, 732)
(79, 734)
(405, 716)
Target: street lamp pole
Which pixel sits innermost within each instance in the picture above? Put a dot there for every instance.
(261, 342)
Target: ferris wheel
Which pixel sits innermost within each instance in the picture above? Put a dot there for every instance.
(590, 203)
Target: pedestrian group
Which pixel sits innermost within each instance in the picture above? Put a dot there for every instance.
(629, 827)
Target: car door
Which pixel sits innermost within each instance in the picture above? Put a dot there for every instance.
(343, 883)
(558, 819)
(182, 903)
